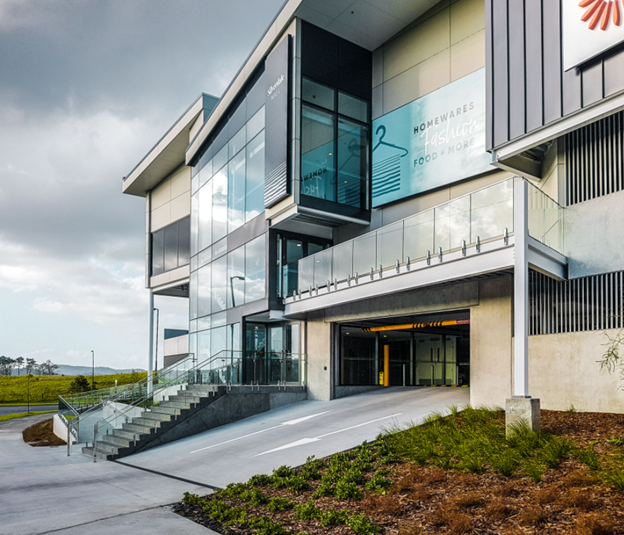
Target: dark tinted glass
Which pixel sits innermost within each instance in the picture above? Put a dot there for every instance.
(158, 252)
(184, 244)
(171, 247)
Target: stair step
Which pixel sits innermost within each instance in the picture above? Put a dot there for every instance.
(165, 409)
(146, 422)
(105, 448)
(175, 404)
(114, 440)
(136, 427)
(157, 416)
(131, 435)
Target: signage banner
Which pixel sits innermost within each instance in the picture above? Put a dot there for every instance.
(276, 134)
(590, 27)
(433, 141)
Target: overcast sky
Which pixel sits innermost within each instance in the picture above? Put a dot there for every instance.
(86, 89)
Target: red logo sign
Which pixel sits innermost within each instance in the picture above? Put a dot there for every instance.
(600, 11)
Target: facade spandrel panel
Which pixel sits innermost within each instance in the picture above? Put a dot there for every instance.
(255, 269)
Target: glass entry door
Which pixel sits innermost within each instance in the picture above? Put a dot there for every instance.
(272, 353)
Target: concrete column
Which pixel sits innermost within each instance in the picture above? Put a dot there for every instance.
(521, 290)
(521, 409)
(150, 357)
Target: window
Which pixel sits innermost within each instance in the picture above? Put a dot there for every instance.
(334, 146)
(171, 246)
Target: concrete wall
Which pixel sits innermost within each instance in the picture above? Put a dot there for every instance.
(171, 199)
(59, 428)
(445, 44)
(491, 343)
(563, 372)
(587, 255)
(319, 350)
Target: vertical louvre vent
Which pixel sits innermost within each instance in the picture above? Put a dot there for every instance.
(595, 159)
(585, 304)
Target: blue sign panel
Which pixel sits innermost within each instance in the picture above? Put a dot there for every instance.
(431, 142)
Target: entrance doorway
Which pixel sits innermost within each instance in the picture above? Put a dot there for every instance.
(271, 353)
(431, 350)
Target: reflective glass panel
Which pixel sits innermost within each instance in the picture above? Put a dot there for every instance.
(318, 168)
(293, 252)
(193, 289)
(364, 257)
(419, 235)
(219, 248)
(390, 244)
(255, 124)
(236, 277)
(205, 174)
(158, 252)
(220, 159)
(195, 225)
(218, 345)
(219, 204)
(318, 94)
(254, 188)
(184, 239)
(492, 211)
(203, 346)
(322, 268)
(237, 143)
(342, 259)
(352, 107)
(236, 191)
(352, 163)
(205, 216)
(219, 285)
(306, 273)
(171, 247)
(255, 269)
(203, 291)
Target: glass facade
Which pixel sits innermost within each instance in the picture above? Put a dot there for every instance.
(170, 247)
(334, 146)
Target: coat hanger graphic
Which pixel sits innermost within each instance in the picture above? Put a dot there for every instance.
(381, 128)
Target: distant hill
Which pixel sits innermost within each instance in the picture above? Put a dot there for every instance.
(66, 369)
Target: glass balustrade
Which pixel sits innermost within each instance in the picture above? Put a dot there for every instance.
(478, 216)
(545, 219)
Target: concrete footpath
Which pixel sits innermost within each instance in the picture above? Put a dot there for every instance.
(44, 491)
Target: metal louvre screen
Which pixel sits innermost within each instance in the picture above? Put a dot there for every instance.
(585, 304)
(595, 159)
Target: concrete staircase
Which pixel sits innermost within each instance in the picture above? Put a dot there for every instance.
(189, 412)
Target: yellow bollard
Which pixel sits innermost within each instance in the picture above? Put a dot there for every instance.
(386, 375)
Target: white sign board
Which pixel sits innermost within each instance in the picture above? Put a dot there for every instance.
(590, 27)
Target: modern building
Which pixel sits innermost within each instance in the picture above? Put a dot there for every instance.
(420, 193)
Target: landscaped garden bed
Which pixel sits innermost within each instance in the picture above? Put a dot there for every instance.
(456, 474)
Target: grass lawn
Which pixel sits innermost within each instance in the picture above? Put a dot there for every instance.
(47, 388)
(453, 475)
(6, 417)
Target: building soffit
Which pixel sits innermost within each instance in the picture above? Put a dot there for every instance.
(168, 154)
(367, 23)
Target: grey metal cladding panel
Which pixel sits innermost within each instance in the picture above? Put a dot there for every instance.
(276, 186)
(551, 24)
(592, 81)
(571, 89)
(517, 102)
(534, 66)
(614, 74)
(500, 72)
(489, 110)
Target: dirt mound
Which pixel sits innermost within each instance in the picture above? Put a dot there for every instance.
(41, 434)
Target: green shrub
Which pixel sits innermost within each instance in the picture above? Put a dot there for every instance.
(326, 488)
(378, 483)
(311, 469)
(233, 490)
(297, 483)
(265, 526)
(555, 450)
(362, 525)
(347, 490)
(283, 471)
(192, 499)
(334, 518)
(260, 480)
(505, 463)
(534, 471)
(354, 475)
(589, 458)
(615, 479)
(307, 511)
(253, 497)
(279, 504)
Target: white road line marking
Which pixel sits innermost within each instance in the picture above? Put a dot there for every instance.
(290, 422)
(304, 441)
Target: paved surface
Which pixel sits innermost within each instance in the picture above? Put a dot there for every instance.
(44, 491)
(24, 408)
(289, 435)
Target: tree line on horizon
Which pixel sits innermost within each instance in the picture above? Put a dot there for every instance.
(29, 365)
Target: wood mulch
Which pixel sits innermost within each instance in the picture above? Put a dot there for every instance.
(41, 434)
(570, 500)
